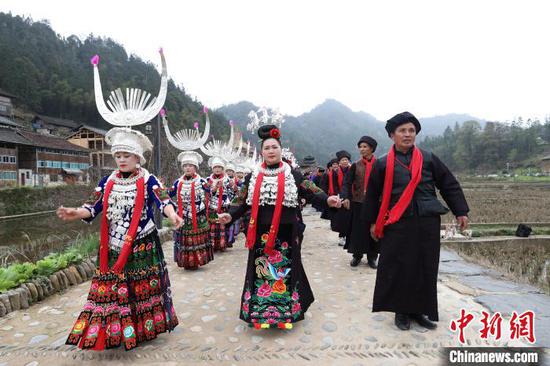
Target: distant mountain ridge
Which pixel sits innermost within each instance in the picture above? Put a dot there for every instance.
(332, 126)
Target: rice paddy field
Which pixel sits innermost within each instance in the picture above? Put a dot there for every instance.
(496, 209)
(512, 203)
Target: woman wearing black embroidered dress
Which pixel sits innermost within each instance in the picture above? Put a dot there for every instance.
(276, 291)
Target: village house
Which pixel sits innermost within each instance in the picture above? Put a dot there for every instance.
(53, 126)
(38, 159)
(101, 160)
(6, 106)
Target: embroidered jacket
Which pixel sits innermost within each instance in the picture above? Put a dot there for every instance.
(121, 204)
(215, 192)
(202, 189)
(296, 188)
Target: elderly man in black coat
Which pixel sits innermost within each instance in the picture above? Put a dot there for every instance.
(359, 241)
(407, 224)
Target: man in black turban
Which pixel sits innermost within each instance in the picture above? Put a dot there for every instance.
(340, 221)
(407, 224)
(401, 119)
(359, 241)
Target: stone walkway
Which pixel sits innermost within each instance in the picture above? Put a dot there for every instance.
(339, 328)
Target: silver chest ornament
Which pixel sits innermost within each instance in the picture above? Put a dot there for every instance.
(122, 200)
(185, 195)
(268, 190)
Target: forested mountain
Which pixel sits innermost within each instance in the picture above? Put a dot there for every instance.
(51, 75)
(494, 147)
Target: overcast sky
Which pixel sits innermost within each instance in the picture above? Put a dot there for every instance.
(490, 59)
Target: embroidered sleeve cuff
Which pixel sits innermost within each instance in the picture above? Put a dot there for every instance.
(164, 204)
(92, 212)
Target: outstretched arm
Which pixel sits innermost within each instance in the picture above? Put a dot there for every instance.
(89, 210)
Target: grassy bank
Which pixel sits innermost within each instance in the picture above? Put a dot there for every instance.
(18, 273)
(504, 230)
(525, 261)
(15, 201)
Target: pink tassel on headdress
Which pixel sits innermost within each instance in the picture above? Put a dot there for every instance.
(95, 60)
(205, 110)
(161, 50)
(163, 112)
(196, 125)
(231, 122)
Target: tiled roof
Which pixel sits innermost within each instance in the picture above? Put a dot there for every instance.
(11, 136)
(58, 121)
(8, 122)
(37, 139)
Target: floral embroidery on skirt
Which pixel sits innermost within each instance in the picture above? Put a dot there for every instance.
(128, 308)
(270, 302)
(217, 233)
(193, 248)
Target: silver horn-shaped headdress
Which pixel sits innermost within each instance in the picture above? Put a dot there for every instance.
(223, 150)
(254, 160)
(134, 109)
(243, 159)
(289, 155)
(187, 139)
(262, 117)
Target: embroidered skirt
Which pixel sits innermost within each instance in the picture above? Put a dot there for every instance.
(193, 248)
(217, 233)
(129, 308)
(276, 291)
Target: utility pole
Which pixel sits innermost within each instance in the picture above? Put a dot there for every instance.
(157, 162)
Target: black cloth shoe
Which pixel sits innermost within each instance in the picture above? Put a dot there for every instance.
(402, 321)
(423, 321)
(372, 264)
(355, 262)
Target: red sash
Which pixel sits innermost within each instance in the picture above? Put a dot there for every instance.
(193, 204)
(340, 179)
(274, 228)
(385, 215)
(130, 236)
(331, 191)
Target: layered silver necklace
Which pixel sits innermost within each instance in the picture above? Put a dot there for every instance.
(123, 198)
(268, 190)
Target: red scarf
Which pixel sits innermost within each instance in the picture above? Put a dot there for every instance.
(340, 179)
(193, 204)
(220, 192)
(253, 224)
(385, 215)
(331, 191)
(368, 170)
(130, 235)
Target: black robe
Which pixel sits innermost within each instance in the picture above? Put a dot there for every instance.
(340, 219)
(323, 184)
(406, 280)
(276, 289)
(359, 240)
